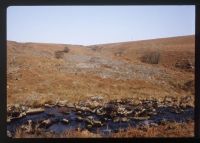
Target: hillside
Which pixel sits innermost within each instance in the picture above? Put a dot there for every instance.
(115, 70)
(144, 87)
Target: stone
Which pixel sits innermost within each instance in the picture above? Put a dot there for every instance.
(28, 127)
(34, 111)
(96, 98)
(23, 108)
(163, 122)
(8, 120)
(141, 118)
(46, 123)
(70, 105)
(62, 103)
(116, 119)
(49, 105)
(20, 115)
(88, 121)
(97, 123)
(79, 118)
(9, 134)
(124, 119)
(121, 110)
(89, 126)
(153, 125)
(79, 112)
(93, 104)
(65, 121)
(118, 101)
(100, 113)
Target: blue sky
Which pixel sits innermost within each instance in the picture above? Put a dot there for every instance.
(89, 25)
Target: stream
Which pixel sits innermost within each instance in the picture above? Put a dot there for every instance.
(56, 116)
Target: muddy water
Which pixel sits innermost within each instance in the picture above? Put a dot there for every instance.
(56, 115)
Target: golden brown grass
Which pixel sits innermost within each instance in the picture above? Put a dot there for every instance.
(168, 130)
(39, 80)
(68, 134)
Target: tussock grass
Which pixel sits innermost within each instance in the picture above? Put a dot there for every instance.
(66, 49)
(151, 57)
(59, 54)
(169, 130)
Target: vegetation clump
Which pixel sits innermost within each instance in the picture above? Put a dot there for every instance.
(151, 57)
(66, 49)
(60, 54)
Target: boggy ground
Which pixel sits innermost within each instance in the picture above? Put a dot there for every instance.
(99, 118)
(36, 75)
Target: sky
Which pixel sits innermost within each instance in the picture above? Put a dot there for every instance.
(88, 25)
